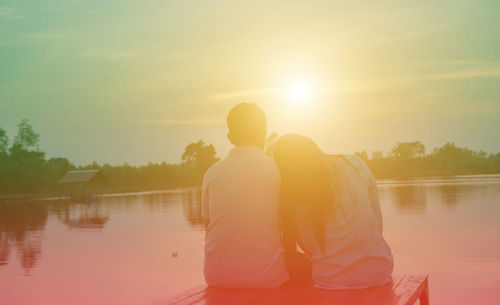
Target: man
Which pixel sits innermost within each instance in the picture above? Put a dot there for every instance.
(240, 198)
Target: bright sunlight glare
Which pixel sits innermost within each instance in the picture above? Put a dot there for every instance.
(299, 92)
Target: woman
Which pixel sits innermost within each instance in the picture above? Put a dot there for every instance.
(330, 207)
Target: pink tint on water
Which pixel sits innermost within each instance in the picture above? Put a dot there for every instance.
(128, 261)
(143, 248)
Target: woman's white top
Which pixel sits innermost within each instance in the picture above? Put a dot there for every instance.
(355, 253)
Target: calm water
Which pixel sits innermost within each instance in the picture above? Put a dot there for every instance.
(141, 248)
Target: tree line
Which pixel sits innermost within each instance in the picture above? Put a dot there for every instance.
(408, 159)
(24, 169)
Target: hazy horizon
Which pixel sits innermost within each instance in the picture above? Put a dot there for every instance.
(122, 81)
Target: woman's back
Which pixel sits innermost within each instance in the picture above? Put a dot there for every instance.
(355, 253)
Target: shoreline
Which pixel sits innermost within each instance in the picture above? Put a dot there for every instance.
(382, 182)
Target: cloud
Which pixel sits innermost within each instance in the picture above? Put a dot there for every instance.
(246, 93)
(187, 121)
(8, 12)
(207, 121)
(458, 69)
(386, 84)
(45, 35)
(466, 73)
(455, 62)
(425, 70)
(109, 54)
(5, 11)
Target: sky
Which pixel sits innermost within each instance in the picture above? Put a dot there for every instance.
(136, 81)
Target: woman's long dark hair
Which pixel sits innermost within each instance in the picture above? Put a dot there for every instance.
(306, 179)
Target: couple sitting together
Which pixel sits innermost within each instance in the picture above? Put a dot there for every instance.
(304, 215)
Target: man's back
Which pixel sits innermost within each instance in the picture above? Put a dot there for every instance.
(240, 197)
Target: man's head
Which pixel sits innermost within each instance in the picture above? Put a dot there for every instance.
(247, 125)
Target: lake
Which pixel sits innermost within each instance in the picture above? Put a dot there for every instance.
(140, 248)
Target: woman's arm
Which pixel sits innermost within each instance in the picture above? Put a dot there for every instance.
(298, 264)
(375, 201)
(368, 178)
(289, 238)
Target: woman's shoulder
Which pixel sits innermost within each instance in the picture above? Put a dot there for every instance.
(351, 160)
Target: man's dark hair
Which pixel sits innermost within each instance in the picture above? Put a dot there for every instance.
(247, 125)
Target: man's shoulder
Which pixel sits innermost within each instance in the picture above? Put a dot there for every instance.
(261, 161)
(213, 169)
(266, 162)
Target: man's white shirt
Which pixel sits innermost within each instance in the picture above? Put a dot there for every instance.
(240, 198)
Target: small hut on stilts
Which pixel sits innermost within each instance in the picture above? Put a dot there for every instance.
(82, 185)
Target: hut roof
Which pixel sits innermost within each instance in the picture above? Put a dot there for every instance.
(79, 176)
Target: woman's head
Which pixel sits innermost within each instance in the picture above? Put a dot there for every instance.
(300, 160)
(306, 179)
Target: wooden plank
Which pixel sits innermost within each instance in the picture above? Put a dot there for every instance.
(354, 296)
(350, 296)
(288, 294)
(291, 295)
(183, 296)
(410, 289)
(234, 296)
(424, 296)
(404, 290)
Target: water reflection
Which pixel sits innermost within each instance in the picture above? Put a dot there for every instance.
(410, 199)
(192, 209)
(21, 227)
(84, 216)
(100, 250)
(162, 201)
(450, 194)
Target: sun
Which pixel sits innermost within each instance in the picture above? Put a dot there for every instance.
(299, 92)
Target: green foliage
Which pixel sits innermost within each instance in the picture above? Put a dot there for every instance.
(26, 138)
(55, 168)
(128, 178)
(22, 165)
(409, 159)
(199, 156)
(407, 150)
(24, 169)
(4, 141)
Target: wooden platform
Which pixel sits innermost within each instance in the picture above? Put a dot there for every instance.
(404, 290)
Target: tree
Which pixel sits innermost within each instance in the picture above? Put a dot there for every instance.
(199, 156)
(4, 141)
(55, 168)
(377, 155)
(25, 166)
(4, 159)
(408, 150)
(26, 138)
